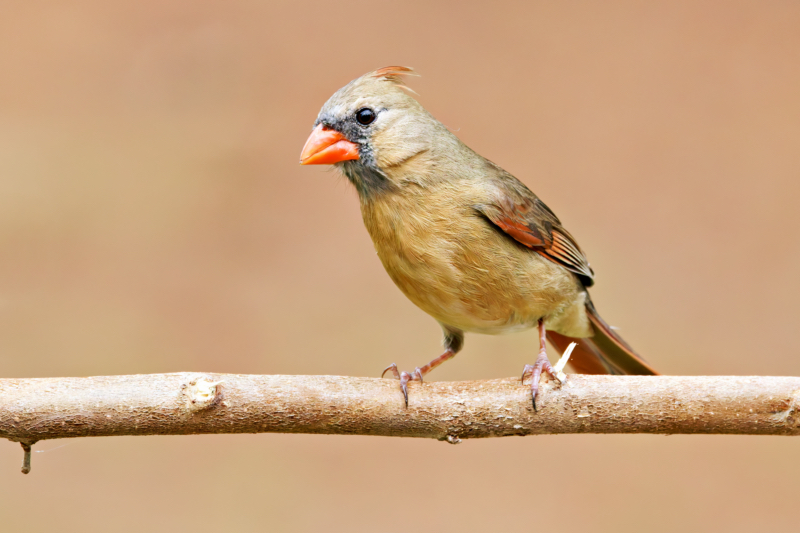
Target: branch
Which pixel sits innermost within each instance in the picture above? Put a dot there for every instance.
(188, 403)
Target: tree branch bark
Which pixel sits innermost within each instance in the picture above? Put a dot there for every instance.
(186, 403)
(191, 403)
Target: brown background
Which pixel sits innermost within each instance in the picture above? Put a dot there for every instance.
(153, 218)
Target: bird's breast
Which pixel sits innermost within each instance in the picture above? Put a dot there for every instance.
(453, 264)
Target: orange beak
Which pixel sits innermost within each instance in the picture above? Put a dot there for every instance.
(326, 147)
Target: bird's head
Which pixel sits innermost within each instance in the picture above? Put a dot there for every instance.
(368, 127)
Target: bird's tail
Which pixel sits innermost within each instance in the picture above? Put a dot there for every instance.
(603, 353)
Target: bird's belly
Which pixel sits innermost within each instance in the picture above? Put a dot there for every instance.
(470, 303)
(485, 283)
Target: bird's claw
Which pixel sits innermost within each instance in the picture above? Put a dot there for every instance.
(535, 371)
(404, 378)
(393, 368)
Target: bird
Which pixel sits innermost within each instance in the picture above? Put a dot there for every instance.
(463, 239)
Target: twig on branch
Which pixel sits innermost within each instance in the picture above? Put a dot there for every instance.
(26, 458)
(189, 403)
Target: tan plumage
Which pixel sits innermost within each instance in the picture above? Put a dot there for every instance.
(455, 266)
(464, 240)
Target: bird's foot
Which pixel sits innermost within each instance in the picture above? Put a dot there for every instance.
(453, 343)
(535, 371)
(404, 378)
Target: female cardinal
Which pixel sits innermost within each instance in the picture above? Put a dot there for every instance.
(462, 238)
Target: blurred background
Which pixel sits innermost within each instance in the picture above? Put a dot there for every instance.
(154, 218)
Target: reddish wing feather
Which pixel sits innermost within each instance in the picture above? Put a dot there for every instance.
(521, 232)
(530, 222)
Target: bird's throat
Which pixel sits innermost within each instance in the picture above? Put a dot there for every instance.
(368, 181)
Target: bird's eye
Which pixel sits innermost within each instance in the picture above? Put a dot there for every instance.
(365, 116)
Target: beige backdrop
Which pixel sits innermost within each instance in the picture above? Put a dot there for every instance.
(153, 218)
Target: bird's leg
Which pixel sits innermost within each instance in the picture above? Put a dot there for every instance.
(542, 363)
(453, 341)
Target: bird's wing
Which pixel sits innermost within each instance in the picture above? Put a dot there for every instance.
(525, 218)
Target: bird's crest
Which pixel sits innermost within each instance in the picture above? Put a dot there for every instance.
(395, 75)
